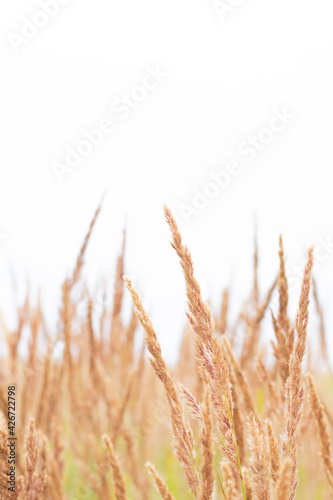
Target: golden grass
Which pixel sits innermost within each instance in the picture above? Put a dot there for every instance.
(100, 422)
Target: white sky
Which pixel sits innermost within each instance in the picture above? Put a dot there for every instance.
(225, 79)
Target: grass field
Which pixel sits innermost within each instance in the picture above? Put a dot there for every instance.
(109, 419)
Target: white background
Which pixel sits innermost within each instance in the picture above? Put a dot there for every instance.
(226, 76)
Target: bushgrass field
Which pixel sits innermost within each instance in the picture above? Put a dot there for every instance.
(107, 418)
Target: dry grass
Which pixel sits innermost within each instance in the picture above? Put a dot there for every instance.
(100, 422)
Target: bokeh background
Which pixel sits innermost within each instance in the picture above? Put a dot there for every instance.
(226, 75)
